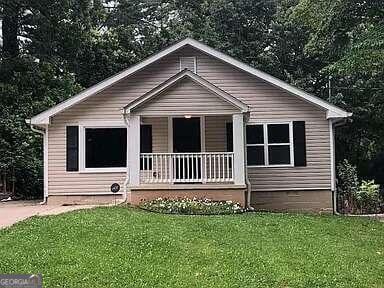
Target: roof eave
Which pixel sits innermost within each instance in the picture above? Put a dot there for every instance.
(332, 114)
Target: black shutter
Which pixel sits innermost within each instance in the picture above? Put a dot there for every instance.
(299, 146)
(146, 145)
(145, 138)
(72, 148)
(229, 137)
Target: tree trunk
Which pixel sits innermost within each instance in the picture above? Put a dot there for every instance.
(5, 182)
(10, 27)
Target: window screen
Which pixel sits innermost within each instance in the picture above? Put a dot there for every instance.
(255, 155)
(278, 133)
(105, 147)
(255, 134)
(279, 155)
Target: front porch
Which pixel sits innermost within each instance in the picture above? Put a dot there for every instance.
(170, 157)
(186, 136)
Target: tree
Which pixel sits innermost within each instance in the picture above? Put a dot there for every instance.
(51, 48)
(343, 39)
(28, 88)
(10, 27)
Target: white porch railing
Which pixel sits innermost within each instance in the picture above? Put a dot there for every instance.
(203, 167)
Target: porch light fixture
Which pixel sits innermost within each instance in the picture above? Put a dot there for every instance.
(187, 116)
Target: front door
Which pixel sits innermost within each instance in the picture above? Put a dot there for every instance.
(186, 135)
(187, 139)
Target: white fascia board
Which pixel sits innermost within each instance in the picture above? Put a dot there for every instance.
(42, 117)
(334, 114)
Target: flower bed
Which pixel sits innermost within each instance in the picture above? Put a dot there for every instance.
(192, 206)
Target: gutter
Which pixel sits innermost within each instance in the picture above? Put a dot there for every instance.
(43, 132)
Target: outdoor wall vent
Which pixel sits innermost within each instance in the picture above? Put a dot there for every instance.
(188, 63)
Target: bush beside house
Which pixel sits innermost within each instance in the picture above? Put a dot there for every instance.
(355, 197)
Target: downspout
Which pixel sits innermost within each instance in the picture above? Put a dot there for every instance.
(45, 157)
(332, 126)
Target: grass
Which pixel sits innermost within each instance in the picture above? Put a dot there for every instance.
(125, 247)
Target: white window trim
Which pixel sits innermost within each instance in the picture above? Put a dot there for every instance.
(266, 144)
(82, 168)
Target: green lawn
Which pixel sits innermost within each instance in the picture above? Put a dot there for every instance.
(124, 247)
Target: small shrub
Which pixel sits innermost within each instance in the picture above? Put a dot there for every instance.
(367, 197)
(347, 185)
(192, 206)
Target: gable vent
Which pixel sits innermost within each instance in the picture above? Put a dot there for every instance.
(188, 63)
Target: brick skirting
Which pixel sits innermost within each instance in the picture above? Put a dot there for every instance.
(315, 201)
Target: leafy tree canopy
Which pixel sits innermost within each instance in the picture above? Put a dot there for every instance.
(53, 48)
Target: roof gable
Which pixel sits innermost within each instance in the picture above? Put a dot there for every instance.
(171, 82)
(332, 111)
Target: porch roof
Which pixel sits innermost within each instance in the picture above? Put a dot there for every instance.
(172, 81)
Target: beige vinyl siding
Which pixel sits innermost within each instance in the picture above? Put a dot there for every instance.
(266, 103)
(159, 133)
(186, 97)
(216, 133)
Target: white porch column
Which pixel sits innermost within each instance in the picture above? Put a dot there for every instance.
(238, 148)
(133, 150)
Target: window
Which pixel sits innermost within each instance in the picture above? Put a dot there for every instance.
(105, 147)
(269, 144)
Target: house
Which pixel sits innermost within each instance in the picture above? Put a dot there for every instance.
(191, 121)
